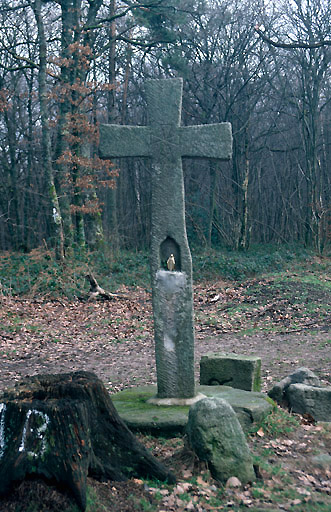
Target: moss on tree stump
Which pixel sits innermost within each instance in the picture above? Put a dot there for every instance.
(64, 427)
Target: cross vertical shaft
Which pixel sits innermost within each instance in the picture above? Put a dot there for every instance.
(165, 142)
(172, 292)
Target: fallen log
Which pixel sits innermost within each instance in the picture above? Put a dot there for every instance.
(64, 427)
(96, 290)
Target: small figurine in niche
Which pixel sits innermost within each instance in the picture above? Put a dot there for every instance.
(171, 262)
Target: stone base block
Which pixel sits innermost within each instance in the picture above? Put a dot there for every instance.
(312, 400)
(134, 407)
(242, 372)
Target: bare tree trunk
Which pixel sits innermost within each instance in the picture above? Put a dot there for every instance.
(126, 82)
(64, 110)
(244, 232)
(13, 211)
(46, 139)
(111, 107)
(214, 177)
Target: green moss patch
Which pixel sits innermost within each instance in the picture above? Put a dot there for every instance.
(139, 415)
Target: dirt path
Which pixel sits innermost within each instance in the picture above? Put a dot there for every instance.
(115, 340)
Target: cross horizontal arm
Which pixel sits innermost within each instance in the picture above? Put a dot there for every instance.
(207, 141)
(118, 141)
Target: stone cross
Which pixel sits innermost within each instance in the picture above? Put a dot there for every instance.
(165, 142)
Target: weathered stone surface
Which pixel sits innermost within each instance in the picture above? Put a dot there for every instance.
(173, 337)
(215, 435)
(312, 400)
(322, 460)
(303, 392)
(300, 376)
(250, 407)
(139, 414)
(166, 142)
(237, 371)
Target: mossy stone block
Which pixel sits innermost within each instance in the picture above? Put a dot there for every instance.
(237, 371)
(215, 435)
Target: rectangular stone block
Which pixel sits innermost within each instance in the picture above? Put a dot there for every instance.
(173, 333)
(313, 400)
(237, 371)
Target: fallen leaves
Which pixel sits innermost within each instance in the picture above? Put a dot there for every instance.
(287, 306)
(260, 432)
(43, 336)
(115, 339)
(289, 479)
(201, 482)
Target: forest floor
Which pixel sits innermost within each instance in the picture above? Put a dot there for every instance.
(281, 317)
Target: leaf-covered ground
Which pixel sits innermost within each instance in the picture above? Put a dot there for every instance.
(283, 318)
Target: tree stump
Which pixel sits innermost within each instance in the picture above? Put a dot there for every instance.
(64, 427)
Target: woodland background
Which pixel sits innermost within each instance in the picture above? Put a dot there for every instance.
(68, 65)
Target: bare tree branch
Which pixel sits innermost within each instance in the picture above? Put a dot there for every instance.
(290, 46)
(29, 62)
(122, 14)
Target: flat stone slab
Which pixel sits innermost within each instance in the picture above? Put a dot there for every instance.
(139, 415)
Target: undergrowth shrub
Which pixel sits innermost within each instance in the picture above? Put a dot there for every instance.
(278, 423)
(238, 265)
(39, 274)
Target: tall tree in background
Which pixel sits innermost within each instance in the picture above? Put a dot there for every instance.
(66, 65)
(220, 59)
(46, 143)
(308, 76)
